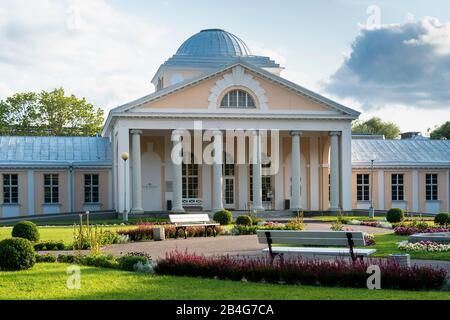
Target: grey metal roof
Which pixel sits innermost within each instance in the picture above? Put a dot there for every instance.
(214, 42)
(401, 152)
(36, 151)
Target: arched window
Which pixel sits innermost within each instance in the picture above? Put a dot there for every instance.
(237, 99)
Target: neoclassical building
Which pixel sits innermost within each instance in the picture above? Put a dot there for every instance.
(224, 129)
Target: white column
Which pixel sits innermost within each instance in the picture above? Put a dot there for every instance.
(346, 169)
(279, 179)
(242, 170)
(314, 172)
(217, 171)
(177, 174)
(137, 174)
(123, 176)
(334, 171)
(296, 172)
(257, 178)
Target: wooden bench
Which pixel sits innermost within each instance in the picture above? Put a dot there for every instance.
(184, 221)
(313, 243)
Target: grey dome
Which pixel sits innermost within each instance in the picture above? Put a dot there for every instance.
(214, 42)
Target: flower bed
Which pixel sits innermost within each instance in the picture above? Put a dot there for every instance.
(424, 246)
(239, 230)
(370, 223)
(145, 232)
(407, 231)
(337, 273)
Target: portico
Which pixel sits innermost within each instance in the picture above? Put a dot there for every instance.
(305, 175)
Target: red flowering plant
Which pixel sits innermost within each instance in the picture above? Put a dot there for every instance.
(295, 270)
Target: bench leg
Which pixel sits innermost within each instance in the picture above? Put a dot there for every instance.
(214, 231)
(206, 231)
(185, 233)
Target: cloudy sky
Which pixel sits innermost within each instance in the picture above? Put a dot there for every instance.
(385, 58)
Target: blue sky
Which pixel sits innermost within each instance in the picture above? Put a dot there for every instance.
(109, 50)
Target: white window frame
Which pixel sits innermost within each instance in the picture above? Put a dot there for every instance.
(433, 195)
(91, 187)
(53, 188)
(396, 186)
(238, 92)
(7, 199)
(365, 187)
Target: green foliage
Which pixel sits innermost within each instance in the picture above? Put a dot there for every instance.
(244, 220)
(441, 132)
(129, 262)
(297, 223)
(376, 126)
(16, 254)
(26, 230)
(442, 219)
(395, 215)
(49, 114)
(46, 258)
(49, 246)
(224, 217)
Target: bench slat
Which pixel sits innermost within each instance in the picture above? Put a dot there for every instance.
(321, 251)
(312, 234)
(312, 241)
(189, 218)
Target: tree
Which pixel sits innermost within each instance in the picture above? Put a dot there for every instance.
(441, 132)
(49, 113)
(376, 126)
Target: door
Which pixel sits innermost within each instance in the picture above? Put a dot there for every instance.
(229, 193)
(151, 182)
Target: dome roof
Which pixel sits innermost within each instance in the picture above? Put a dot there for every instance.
(214, 42)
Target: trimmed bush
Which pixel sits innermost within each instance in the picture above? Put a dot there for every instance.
(49, 246)
(395, 215)
(224, 217)
(244, 220)
(129, 262)
(26, 230)
(16, 254)
(442, 219)
(46, 258)
(335, 273)
(145, 232)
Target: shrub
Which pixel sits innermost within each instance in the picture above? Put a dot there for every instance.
(26, 230)
(335, 273)
(129, 261)
(244, 220)
(395, 215)
(224, 217)
(46, 258)
(66, 258)
(442, 219)
(49, 246)
(16, 254)
(100, 261)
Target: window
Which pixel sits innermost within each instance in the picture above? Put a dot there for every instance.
(397, 186)
(91, 188)
(190, 180)
(51, 188)
(10, 188)
(431, 187)
(266, 184)
(362, 187)
(238, 99)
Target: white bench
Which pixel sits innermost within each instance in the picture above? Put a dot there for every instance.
(316, 240)
(184, 221)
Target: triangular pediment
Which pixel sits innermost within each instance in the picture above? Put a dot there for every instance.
(273, 94)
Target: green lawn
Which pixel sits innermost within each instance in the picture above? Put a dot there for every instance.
(387, 244)
(55, 233)
(96, 220)
(48, 281)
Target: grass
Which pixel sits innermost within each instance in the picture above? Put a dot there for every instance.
(64, 234)
(48, 281)
(387, 244)
(334, 218)
(93, 219)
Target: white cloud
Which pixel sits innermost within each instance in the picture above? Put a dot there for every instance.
(397, 64)
(88, 47)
